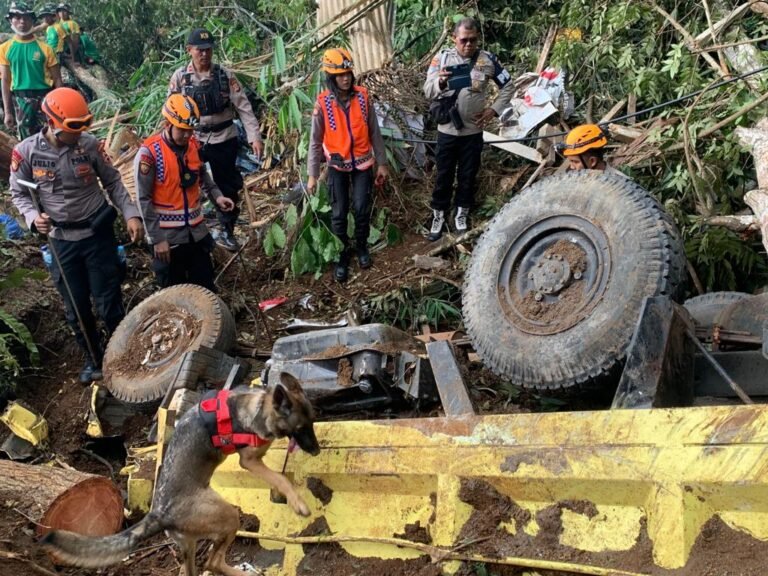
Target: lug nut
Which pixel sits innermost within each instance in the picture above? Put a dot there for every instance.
(577, 275)
(538, 296)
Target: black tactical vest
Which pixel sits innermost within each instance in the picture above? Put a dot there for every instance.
(211, 95)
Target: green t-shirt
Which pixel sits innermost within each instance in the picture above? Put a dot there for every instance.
(52, 37)
(30, 62)
(89, 47)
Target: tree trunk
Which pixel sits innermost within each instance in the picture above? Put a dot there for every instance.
(55, 498)
(95, 78)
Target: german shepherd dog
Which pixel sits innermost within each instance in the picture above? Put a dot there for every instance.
(184, 505)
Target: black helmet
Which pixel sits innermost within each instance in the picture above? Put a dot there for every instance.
(20, 9)
(64, 6)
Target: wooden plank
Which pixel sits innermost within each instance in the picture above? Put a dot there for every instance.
(513, 147)
(613, 111)
(632, 108)
(544, 54)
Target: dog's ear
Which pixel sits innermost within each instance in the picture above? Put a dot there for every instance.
(290, 382)
(281, 400)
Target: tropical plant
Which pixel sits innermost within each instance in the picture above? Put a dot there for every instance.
(17, 347)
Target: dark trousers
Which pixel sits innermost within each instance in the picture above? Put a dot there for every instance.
(190, 264)
(93, 270)
(340, 184)
(221, 158)
(456, 157)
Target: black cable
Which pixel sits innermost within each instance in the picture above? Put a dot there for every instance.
(613, 121)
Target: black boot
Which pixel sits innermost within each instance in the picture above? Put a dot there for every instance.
(341, 271)
(363, 256)
(90, 372)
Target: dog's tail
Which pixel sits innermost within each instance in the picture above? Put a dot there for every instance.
(90, 552)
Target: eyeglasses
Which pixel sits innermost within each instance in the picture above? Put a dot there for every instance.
(470, 40)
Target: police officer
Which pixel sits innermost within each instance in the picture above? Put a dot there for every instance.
(218, 95)
(170, 181)
(67, 164)
(460, 133)
(29, 70)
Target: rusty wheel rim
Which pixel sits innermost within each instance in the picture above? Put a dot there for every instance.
(554, 274)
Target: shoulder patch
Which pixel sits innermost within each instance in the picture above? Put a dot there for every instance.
(16, 160)
(144, 167)
(234, 85)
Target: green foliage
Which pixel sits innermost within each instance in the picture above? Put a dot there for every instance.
(316, 246)
(17, 347)
(436, 304)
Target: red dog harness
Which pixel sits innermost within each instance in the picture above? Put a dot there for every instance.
(223, 435)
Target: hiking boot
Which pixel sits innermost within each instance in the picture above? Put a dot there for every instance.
(227, 241)
(461, 219)
(90, 372)
(438, 221)
(341, 270)
(364, 257)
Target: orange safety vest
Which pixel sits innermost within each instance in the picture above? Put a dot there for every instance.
(346, 131)
(175, 206)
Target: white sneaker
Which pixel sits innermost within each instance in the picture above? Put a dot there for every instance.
(438, 221)
(461, 219)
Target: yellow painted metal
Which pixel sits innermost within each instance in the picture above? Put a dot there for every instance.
(94, 429)
(660, 472)
(25, 424)
(141, 479)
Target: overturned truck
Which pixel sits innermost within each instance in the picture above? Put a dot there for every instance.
(573, 285)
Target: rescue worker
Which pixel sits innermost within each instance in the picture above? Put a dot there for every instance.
(29, 70)
(346, 130)
(48, 14)
(67, 33)
(218, 95)
(170, 181)
(67, 164)
(460, 128)
(584, 148)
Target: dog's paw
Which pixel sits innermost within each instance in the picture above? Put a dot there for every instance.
(300, 507)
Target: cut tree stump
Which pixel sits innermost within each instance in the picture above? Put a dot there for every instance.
(54, 498)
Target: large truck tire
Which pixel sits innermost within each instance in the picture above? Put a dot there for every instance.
(555, 285)
(706, 307)
(146, 349)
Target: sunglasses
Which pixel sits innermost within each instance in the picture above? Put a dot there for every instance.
(470, 40)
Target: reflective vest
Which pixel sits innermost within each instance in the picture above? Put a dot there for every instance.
(175, 206)
(345, 141)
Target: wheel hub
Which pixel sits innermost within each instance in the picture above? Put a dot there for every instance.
(554, 274)
(550, 275)
(163, 335)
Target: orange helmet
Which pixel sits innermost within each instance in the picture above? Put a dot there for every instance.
(181, 111)
(67, 110)
(337, 61)
(583, 138)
